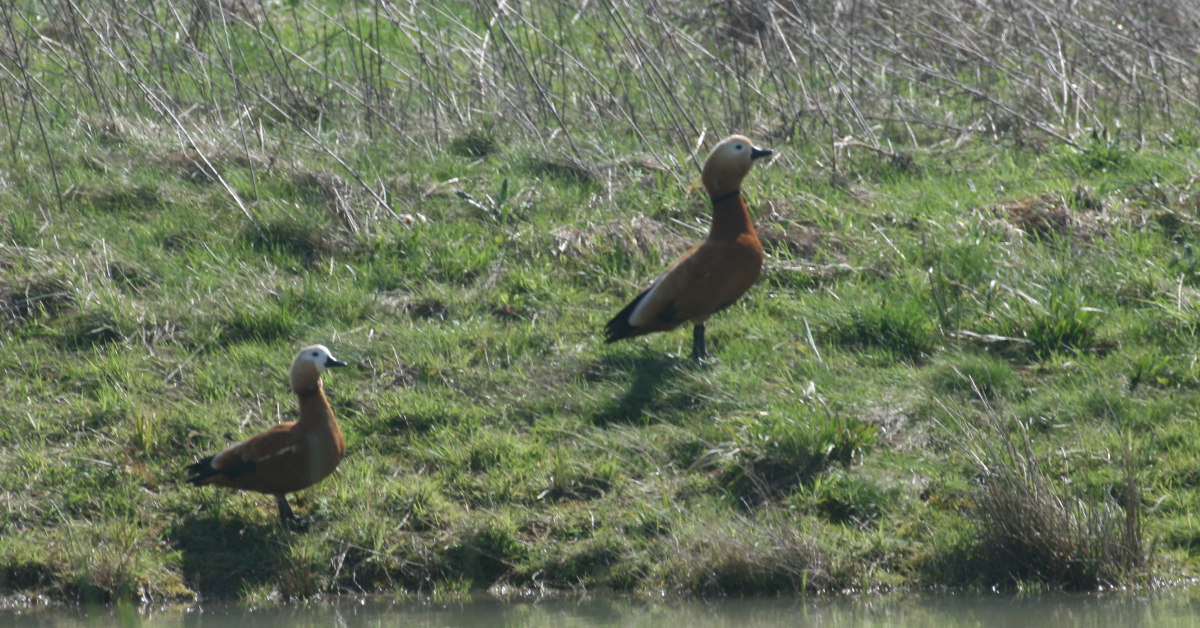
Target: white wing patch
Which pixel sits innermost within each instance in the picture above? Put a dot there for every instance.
(641, 314)
(281, 452)
(217, 460)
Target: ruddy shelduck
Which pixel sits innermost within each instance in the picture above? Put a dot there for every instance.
(290, 456)
(713, 274)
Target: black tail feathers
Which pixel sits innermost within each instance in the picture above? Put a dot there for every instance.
(619, 326)
(200, 471)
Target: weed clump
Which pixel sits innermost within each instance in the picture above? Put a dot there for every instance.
(263, 324)
(29, 297)
(1032, 530)
(778, 451)
(93, 327)
(1098, 155)
(746, 555)
(1062, 325)
(475, 143)
(134, 198)
(899, 326)
(843, 499)
(484, 553)
(973, 374)
(565, 169)
(1043, 217)
(302, 239)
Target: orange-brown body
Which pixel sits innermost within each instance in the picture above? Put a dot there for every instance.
(712, 275)
(287, 457)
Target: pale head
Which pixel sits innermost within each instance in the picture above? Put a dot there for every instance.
(729, 162)
(310, 363)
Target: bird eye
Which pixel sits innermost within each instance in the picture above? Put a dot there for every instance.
(316, 354)
(737, 146)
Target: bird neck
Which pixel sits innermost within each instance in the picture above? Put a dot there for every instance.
(307, 384)
(731, 217)
(314, 406)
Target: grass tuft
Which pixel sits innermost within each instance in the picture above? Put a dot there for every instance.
(92, 327)
(1032, 529)
(34, 296)
(1065, 324)
(900, 326)
(567, 169)
(266, 323)
(1099, 155)
(846, 499)
(776, 452)
(747, 555)
(132, 199)
(974, 374)
(300, 238)
(476, 143)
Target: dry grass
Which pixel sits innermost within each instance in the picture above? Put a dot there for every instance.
(639, 237)
(880, 75)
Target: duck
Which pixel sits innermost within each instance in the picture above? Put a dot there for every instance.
(287, 457)
(713, 274)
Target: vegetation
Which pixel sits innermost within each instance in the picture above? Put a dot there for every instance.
(971, 360)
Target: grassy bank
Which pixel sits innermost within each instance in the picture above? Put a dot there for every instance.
(971, 359)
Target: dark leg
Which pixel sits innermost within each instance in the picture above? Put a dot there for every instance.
(698, 350)
(286, 516)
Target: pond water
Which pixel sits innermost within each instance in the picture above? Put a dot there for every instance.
(1172, 608)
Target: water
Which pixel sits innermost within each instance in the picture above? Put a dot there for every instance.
(1174, 608)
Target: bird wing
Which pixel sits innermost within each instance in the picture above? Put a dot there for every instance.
(277, 441)
(655, 306)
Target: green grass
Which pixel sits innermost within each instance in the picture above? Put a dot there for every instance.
(960, 328)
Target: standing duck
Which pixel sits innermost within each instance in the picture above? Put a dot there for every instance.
(713, 274)
(290, 456)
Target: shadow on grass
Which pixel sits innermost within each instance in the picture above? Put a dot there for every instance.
(648, 375)
(223, 557)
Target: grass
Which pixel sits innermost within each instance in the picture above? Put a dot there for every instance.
(980, 293)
